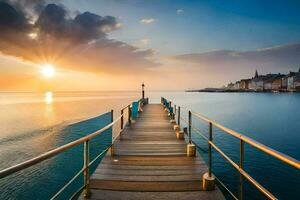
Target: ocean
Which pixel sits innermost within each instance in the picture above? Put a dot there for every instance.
(33, 123)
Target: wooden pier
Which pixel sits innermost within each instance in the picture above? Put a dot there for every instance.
(149, 162)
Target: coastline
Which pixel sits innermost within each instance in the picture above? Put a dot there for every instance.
(225, 90)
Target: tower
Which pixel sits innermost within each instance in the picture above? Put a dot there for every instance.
(256, 74)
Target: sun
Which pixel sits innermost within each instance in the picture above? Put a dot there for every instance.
(48, 70)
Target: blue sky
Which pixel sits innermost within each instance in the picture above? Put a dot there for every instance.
(203, 25)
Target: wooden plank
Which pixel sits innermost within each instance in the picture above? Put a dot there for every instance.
(146, 186)
(154, 172)
(148, 178)
(128, 195)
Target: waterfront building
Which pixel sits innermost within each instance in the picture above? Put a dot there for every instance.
(244, 84)
(273, 82)
(269, 82)
(237, 85)
(284, 81)
(297, 83)
(257, 84)
(230, 86)
(292, 80)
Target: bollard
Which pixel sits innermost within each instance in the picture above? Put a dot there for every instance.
(176, 127)
(191, 150)
(208, 182)
(180, 135)
(172, 120)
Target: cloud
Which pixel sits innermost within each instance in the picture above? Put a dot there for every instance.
(84, 27)
(228, 65)
(79, 43)
(27, 5)
(279, 56)
(179, 11)
(145, 41)
(147, 21)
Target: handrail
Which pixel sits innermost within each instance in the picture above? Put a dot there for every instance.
(87, 163)
(285, 158)
(245, 174)
(78, 173)
(239, 167)
(126, 107)
(224, 186)
(51, 153)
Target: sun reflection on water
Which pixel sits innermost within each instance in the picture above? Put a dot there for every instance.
(48, 98)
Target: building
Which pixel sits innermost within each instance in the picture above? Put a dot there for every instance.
(268, 82)
(237, 85)
(244, 84)
(297, 83)
(284, 81)
(230, 86)
(274, 82)
(257, 84)
(292, 80)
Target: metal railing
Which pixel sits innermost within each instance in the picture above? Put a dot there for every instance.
(86, 155)
(243, 139)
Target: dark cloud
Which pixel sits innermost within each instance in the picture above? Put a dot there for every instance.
(11, 19)
(29, 7)
(84, 27)
(57, 37)
(52, 21)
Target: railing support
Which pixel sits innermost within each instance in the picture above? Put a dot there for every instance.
(191, 148)
(122, 119)
(86, 173)
(178, 116)
(241, 189)
(209, 150)
(208, 178)
(190, 127)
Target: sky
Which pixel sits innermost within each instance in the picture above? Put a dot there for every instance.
(168, 44)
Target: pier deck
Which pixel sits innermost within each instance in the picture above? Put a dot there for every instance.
(150, 163)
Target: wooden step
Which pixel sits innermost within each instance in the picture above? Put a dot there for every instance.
(146, 185)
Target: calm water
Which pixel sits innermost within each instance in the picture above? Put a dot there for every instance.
(32, 123)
